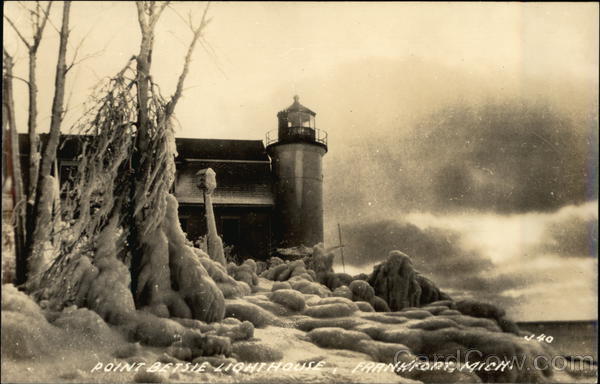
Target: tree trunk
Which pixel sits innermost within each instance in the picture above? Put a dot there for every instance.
(33, 138)
(143, 60)
(38, 19)
(58, 101)
(34, 246)
(14, 167)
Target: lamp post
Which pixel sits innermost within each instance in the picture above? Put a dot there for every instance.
(206, 181)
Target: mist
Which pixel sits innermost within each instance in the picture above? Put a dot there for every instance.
(518, 260)
(488, 181)
(405, 140)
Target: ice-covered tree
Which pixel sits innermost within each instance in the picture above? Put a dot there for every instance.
(24, 200)
(119, 243)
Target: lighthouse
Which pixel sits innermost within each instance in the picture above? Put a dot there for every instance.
(296, 150)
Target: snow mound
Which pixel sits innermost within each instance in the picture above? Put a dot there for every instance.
(25, 331)
(479, 309)
(295, 252)
(337, 338)
(281, 285)
(380, 337)
(289, 298)
(363, 306)
(400, 285)
(246, 272)
(308, 323)
(230, 287)
(256, 315)
(14, 300)
(300, 283)
(85, 323)
(148, 377)
(361, 290)
(380, 305)
(286, 271)
(255, 352)
(343, 291)
(265, 303)
(330, 310)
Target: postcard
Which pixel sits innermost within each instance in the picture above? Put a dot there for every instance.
(268, 192)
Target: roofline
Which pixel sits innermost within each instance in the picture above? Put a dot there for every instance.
(214, 139)
(193, 160)
(187, 204)
(25, 134)
(305, 110)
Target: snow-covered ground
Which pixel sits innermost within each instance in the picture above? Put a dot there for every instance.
(286, 347)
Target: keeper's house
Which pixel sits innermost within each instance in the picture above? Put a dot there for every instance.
(266, 196)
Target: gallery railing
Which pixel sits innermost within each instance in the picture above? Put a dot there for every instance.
(297, 134)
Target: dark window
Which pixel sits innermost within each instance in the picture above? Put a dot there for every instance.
(183, 221)
(230, 228)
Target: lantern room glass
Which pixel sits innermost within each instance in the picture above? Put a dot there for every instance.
(300, 119)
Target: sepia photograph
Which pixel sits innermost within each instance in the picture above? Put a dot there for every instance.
(299, 192)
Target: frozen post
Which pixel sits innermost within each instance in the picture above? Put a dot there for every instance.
(206, 181)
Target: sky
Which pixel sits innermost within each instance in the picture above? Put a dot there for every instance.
(474, 125)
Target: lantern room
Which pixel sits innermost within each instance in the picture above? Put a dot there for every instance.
(297, 124)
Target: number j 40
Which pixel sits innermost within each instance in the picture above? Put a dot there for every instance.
(540, 338)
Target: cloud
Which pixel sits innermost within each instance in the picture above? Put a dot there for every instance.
(506, 157)
(501, 157)
(427, 137)
(572, 235)
(524, 262)
(436, 248)
(436, 252)
(567, 290)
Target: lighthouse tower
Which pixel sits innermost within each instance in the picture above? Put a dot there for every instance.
(296, 152)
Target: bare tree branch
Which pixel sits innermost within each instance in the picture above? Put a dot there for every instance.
(14, 27)
(92, 55)
(178, 14)
(32, 21)
(190, 23)
(41, 25)
(156, 16)
(20, 78)
(20, 3)
(170, 108)
(141, 16)
(47, 14)
(37, 13)
(59, 91)
(210, 51)
(148, 14)
(38, 24)
(74, 60)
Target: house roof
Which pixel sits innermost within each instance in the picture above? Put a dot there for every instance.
(242, 167)
(221, 149)
(187, 148)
